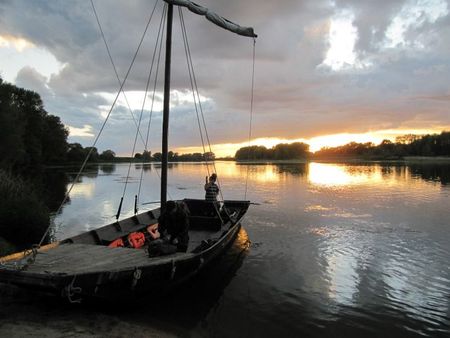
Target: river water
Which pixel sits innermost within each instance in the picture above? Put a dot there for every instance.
(337, 250)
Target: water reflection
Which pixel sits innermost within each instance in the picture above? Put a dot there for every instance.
(108, 168)
(299, 169)
(54, 186)
(330, 174)
(143, 166)
(83, 189)
(342, 175)
(430, 172)
(359, 248)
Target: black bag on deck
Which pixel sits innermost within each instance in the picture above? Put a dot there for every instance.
(160, 247)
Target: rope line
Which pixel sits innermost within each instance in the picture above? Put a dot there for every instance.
(113, 64)
(201, 113)
(195, 92)
(162, 24)
(251, 113)
(189, 65)
(66, 196)
(140, 115)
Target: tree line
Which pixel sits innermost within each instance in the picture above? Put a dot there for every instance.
(282, 151)
(29, 139)
(406, 145)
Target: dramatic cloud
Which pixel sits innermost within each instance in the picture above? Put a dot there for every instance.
(322, 67)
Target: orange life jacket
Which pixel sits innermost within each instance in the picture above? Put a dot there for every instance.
(116, 243)
(136, 239)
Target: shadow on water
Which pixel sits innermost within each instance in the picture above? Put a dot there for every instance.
(144, 166)
(298, 169)
(177, 312)
(54, 188)
(432, 172)
(108, 168)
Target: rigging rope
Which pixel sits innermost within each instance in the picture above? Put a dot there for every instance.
(142, 112)
(66, 196)
(151, 111)
(113, 65)
(251, 112)
(196, 91)
(189, 65)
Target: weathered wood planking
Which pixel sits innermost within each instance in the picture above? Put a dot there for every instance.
(71, 258)
(84, 258)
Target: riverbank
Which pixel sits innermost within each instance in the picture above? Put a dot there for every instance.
(26, 314)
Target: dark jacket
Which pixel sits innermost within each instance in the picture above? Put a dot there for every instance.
(174, 224)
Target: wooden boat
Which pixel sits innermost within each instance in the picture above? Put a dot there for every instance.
(85, 265)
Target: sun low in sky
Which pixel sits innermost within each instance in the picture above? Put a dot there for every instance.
(327, 72)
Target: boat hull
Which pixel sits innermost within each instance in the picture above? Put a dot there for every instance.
(70, 269)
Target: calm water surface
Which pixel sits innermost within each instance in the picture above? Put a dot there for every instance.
(332, 250)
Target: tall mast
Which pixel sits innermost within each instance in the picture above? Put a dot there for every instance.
(165, 129)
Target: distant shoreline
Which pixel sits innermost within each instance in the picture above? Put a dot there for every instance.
(406, 159)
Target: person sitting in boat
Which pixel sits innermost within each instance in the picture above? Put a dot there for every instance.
(211, 188)
(174, 225)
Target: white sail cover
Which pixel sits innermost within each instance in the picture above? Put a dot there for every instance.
(213, 17)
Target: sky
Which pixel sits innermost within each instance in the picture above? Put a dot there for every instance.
(326, 72)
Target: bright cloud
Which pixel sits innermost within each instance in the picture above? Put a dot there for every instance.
(18, 43)
(413, 14)
(86, 131)
(17, 53)
(342, 38)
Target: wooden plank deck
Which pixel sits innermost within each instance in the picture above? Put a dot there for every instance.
(84, 258)
(73, 258)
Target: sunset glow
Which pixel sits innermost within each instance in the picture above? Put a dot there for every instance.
(315, 143)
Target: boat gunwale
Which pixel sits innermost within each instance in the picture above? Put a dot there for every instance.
(153, 261)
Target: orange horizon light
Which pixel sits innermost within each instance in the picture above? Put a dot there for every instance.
(315, 143)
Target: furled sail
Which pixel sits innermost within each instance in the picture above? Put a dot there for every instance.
(214, 18)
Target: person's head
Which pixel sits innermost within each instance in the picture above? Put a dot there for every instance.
(213, 177)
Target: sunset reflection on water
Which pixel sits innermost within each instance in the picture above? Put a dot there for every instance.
(327, 242)
(334, 174)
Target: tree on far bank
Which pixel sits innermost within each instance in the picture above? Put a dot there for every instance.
(147, 156)
(107, 155)
(157, 157)
(282, 151)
